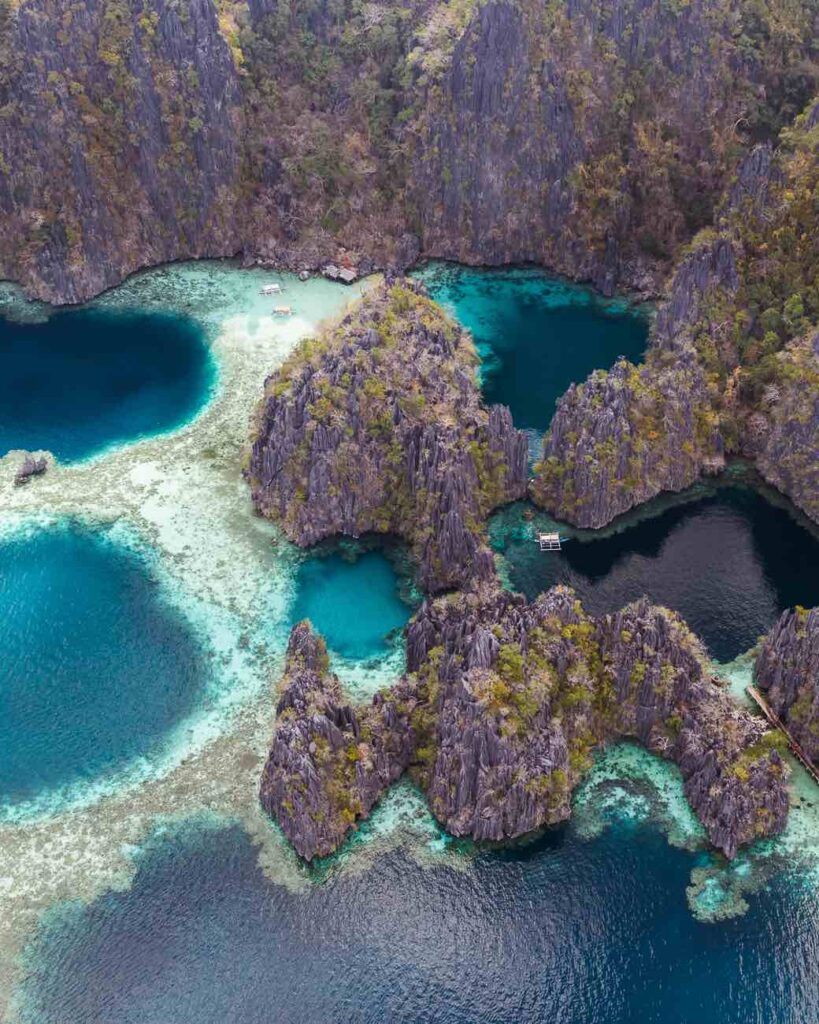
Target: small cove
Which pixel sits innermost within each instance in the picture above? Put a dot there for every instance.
(353, 596)
(728, 561)
(80, 380)
(536, 334)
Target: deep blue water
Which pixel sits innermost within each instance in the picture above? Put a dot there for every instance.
(560, 930)
(536, 334)
(729, 563)
(353, 599)
(87, 378)
(95, 667)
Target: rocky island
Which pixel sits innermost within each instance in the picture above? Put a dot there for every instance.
(733, 365)
(378, 426)
(498, 716)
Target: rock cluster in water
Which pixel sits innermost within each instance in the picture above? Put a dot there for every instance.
(498, 715)
(787, 669)
(733, 367)
(378, 426)
(329, 762)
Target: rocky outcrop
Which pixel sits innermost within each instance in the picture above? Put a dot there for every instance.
(592, 138)
(29, 468)
(505, 703)
(329, 763)
(787, 669)
(378, 426)
(787, 453)
(509, 694)
(623, 437)
(733, 774)
(629, 434)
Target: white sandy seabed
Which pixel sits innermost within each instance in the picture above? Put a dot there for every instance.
(179, 499)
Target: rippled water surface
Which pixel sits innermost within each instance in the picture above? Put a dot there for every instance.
(95, 666)
(87, 378)
(729, 563)
(536, 334)
(561, 930)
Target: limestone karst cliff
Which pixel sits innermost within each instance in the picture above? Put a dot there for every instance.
(732, 365)
(787, 670)
(329, 762)
(590, 137)
(378, 426)
(497, 718)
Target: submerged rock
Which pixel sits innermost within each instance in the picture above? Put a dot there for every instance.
(505, 702)
(29, 468)
(787, 669)
(378, 426)
(329, 763)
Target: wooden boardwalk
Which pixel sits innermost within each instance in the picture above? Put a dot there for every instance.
(777, 723)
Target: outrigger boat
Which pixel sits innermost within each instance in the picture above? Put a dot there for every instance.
(550, 541)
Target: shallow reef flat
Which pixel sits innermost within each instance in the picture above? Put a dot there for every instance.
(177, 499)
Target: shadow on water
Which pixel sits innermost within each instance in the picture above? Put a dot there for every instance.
(728, 561)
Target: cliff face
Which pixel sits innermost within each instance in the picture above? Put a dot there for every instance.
(120, 141)
(733, 774)
(591, 137)
(787, 668)
(509, 696)
(788, 454)
(627, 435)
(329, 763)
(504, 703)
(378, 427)
(733, 364)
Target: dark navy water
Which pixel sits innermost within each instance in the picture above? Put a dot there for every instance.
(535, 334)
(95, 667)
(88, 378)
(561, 930)
(729, 563)
(353, 598)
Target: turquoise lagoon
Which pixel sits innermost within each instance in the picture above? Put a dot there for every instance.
(355, 598)
(535, 334)
(589, 923)
(75, 382)
(97, 667)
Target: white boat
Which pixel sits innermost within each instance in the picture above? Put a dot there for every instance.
(549, 541)
(271, 289)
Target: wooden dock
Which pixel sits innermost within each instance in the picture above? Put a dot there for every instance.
(777, 723)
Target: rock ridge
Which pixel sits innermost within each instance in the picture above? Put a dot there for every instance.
(504, 703)
(787, 671)
(378, 426)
